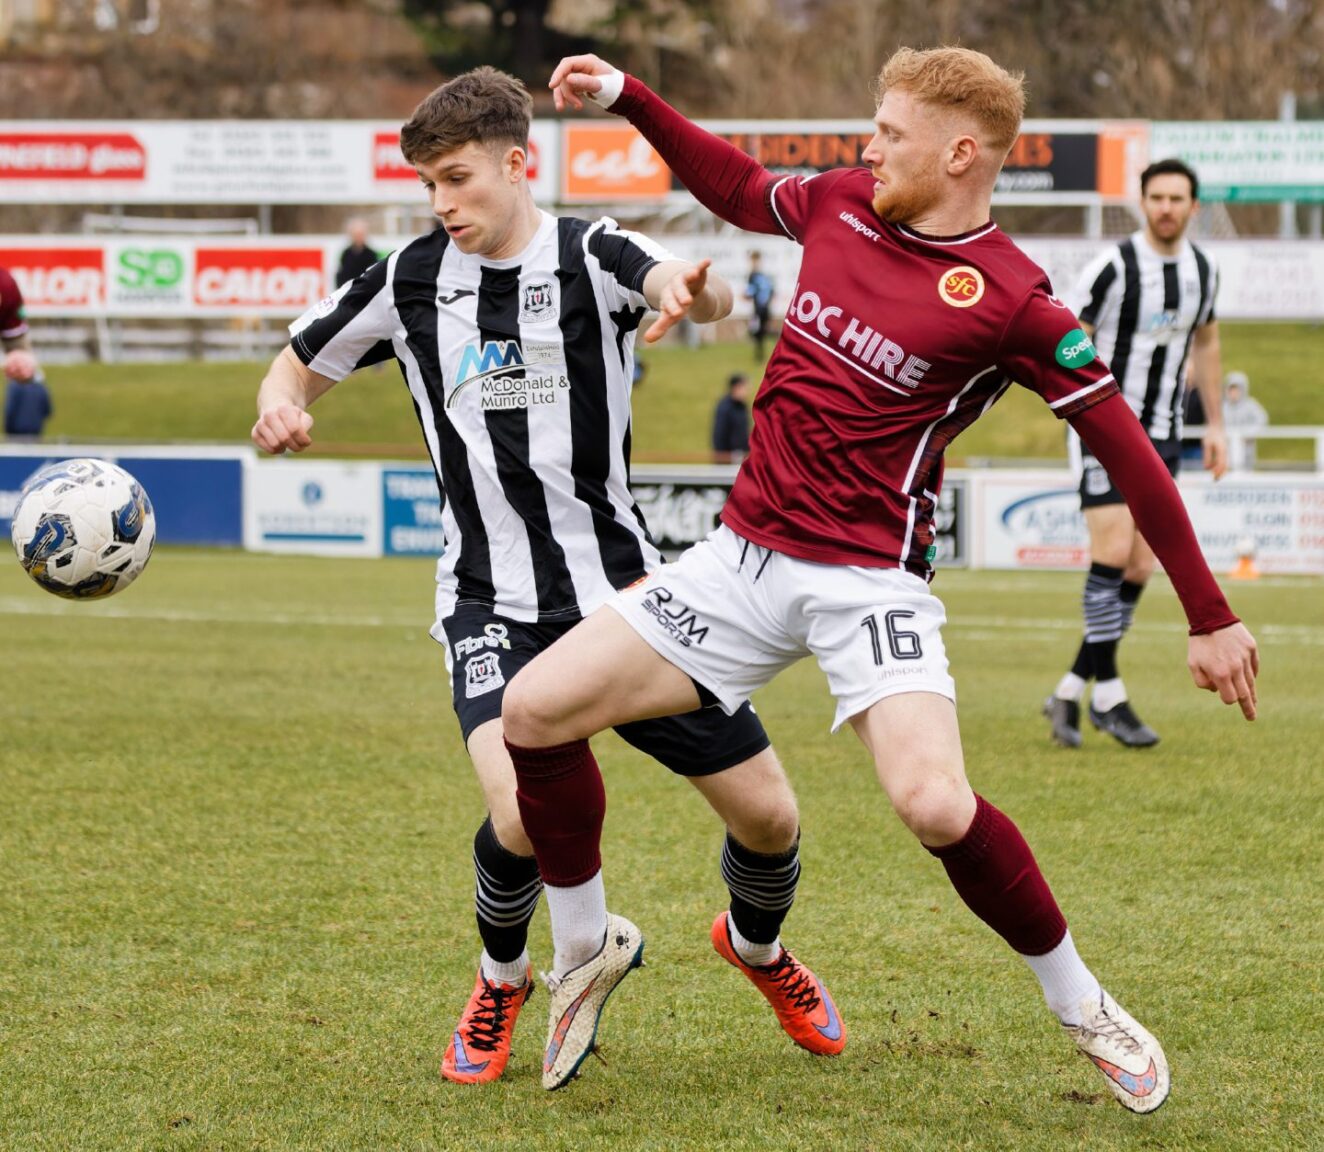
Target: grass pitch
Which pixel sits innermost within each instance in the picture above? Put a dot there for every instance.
(236, 912)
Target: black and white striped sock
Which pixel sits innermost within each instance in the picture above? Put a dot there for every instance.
(1127, 596)
(762, 891)
(506, 893)
(1102, 608)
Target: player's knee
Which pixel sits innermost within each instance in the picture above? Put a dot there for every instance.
(524, 722)
(508, 827)
(770, 830)
(934, 809)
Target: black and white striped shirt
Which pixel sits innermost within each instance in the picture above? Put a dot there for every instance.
(520, 372)
(1144, 309)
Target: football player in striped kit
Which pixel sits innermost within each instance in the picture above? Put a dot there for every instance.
(1148, 302)
(515, 331)
(912, 314)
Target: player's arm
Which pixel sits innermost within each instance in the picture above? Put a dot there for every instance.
(287, 390)
(677, 288)
(348, 330)
(1207, 366)
(19, 361)
(726, 181)
(1222, 654)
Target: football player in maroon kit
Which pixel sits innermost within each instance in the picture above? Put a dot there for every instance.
(913, 313)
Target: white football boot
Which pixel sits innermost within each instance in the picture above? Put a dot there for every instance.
(1128, 1056)
(578, 998)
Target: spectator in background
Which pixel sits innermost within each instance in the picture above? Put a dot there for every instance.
(759, 291)
(27, 405)
(359, 256)
(731, 422)
(1241, 414)
(27, 401)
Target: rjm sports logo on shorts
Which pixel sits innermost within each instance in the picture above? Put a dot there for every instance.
(962, 286)
(676, 619)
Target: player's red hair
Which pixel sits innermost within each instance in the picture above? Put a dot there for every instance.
(961, 80)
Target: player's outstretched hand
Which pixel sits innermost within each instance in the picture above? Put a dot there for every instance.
(577, 76)
(284, 426)
(678, 296)
(1226, 662)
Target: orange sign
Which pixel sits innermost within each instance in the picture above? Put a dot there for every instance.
(606, 162)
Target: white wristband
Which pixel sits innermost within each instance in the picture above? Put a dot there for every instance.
(612, 85)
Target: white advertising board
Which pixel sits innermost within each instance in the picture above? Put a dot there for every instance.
(1033, 520)
(1247, 160)
(323, 508)
(225, 162)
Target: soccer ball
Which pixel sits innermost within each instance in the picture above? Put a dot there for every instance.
(83, 528)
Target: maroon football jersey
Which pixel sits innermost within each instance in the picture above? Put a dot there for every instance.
(12, 323)
(893, 343)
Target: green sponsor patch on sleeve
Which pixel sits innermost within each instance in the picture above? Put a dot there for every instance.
(1075, 349)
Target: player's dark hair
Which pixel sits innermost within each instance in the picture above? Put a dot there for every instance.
(1170, 167)
(485, 105)
(735, 380)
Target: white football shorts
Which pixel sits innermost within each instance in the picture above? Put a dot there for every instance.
(732, 614)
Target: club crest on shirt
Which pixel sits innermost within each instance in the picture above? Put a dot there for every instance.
(962, 286)
(482, 675)
(537, 302)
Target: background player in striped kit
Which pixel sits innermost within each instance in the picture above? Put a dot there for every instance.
(1148, 302)
(515, 332)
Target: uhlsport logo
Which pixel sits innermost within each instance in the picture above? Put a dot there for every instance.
(961, 287)
(1075, 349)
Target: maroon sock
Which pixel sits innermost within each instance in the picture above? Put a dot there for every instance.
(562, 803)
(994, 872)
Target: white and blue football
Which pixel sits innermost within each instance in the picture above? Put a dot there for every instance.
(83, 528)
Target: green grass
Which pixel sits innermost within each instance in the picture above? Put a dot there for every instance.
(370, 414)
(236, 911)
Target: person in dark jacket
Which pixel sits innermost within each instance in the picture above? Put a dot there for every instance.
(731, 422)
(359, 256)
(27, 407)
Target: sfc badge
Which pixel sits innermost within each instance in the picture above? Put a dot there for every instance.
(537, 302)
(961, 287)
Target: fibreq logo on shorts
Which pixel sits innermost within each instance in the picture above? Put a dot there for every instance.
(1076, 349)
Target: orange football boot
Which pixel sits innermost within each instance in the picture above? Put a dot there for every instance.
(802, 1004)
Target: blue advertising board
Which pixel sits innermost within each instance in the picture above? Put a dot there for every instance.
(197, 499)
(411, 513)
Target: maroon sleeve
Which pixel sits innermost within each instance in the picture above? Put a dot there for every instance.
(12, 324)
(725, 180)
(1115, 438)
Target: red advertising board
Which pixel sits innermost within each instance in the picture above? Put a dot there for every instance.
(387, 162)
(285, 277)
(58, 155)
(65, 277)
